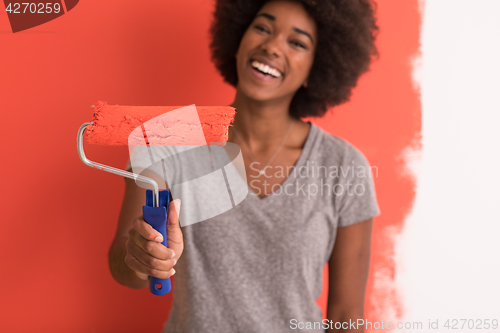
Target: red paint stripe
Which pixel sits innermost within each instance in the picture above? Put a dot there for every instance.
(64, 6)
(145, 135)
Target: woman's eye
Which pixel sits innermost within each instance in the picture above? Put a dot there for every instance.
(298, 44)
(258, 27)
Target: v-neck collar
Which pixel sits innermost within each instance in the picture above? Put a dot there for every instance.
(304, 154)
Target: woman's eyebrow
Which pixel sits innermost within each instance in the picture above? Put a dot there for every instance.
(266, 15)
(304, 33)
(272, 18)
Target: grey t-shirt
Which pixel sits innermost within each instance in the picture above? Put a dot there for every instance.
(259, 266)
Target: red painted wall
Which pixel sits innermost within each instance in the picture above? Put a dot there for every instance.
(59, 216)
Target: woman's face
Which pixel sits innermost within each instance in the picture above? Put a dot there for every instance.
(276, 52)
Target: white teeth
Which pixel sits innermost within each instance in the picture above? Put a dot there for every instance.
(266, 69)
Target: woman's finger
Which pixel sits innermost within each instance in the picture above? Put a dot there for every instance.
(146, 230)
(149, 261)
(154, 248)
(174, 232)
(143, 270)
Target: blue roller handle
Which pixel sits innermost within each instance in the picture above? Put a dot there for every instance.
(157, 218)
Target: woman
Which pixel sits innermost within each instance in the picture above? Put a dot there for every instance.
(258, 267)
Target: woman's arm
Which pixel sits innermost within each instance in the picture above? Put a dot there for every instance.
(348, 273)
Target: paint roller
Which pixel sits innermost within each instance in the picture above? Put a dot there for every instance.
(154, 126)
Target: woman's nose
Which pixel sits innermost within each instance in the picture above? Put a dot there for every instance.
(273, 45)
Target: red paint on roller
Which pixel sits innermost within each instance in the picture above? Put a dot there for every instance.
(112, 124)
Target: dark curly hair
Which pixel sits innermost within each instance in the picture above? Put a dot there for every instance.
(346, 44)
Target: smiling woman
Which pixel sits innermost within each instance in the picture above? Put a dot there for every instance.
(258, 267)
(275, 43)
(344, 46)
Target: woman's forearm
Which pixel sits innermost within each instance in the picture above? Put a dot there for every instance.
(120, 271)
(348, 274)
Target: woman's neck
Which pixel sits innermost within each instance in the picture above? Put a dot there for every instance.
(261, 124)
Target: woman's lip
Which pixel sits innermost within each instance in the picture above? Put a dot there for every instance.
(259, 75)
(266, 63)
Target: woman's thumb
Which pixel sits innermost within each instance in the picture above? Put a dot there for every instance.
(174, 232)
(174, 211)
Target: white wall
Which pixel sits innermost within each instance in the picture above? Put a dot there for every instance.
(448, 256)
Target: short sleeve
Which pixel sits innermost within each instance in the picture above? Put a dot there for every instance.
(355, 194)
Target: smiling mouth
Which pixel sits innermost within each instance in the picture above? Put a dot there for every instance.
(265, 69)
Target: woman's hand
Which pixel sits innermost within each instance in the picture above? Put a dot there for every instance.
(146, 256)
